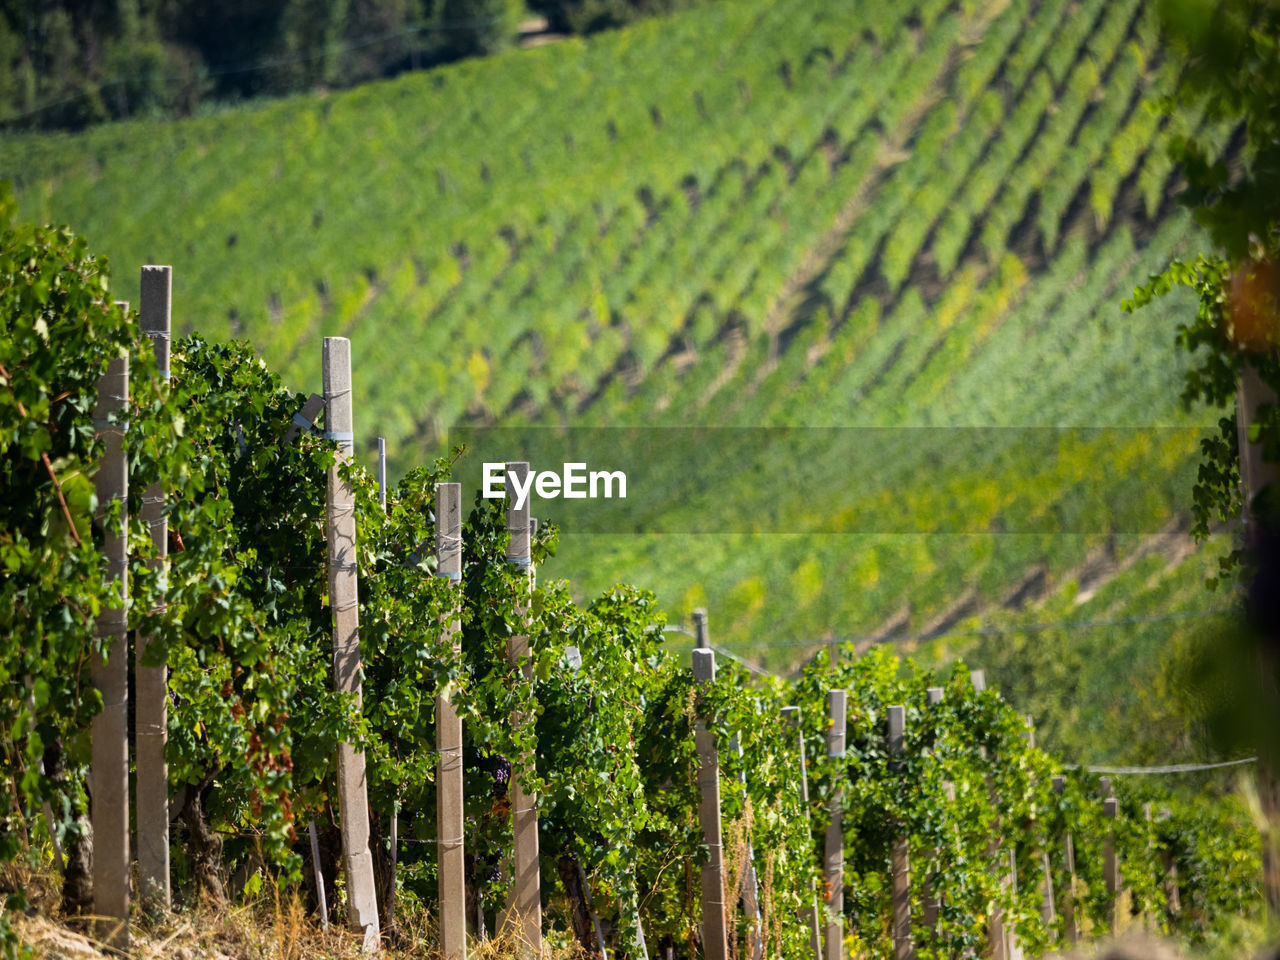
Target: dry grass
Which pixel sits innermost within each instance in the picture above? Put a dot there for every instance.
(1136, 947)
(275, 926)
(252, 932)
(1251, 942)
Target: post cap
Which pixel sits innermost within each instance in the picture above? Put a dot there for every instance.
(897, 727)
(704, 665)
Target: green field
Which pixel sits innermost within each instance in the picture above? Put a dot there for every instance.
(752, 214)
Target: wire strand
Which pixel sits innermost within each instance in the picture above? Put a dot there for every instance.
(1165, 768)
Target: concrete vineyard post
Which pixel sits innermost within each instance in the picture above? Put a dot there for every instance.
(109, 730)
(449, 802)
(900, 865)
(833, 859)
(340, 537)
(382, 472)
(524, 909)
(808, 915)
(701, 639)
(1111, 865)
(1069, 922)
(151, 683)
(715, 941)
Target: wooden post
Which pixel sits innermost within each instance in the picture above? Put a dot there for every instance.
(321, 900)
(449, 803)
(715, 940)
(1069, 922)
(833, 872)
(109, 730)
(1111, 866)
(382, 472)
(340, 534)
(151, 683)
(750, 884)
(900, 866)
(523, 913)
(808, 915)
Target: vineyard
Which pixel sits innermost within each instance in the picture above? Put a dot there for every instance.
(846, 217)
(943, 829)
(851, 306)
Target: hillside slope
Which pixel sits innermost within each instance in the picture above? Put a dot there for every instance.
(753, 214)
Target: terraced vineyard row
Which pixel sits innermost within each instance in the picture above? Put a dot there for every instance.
(580, 266)
(1136, 618)
(1013, 353)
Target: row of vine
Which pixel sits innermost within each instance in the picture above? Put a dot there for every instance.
(242, 622)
